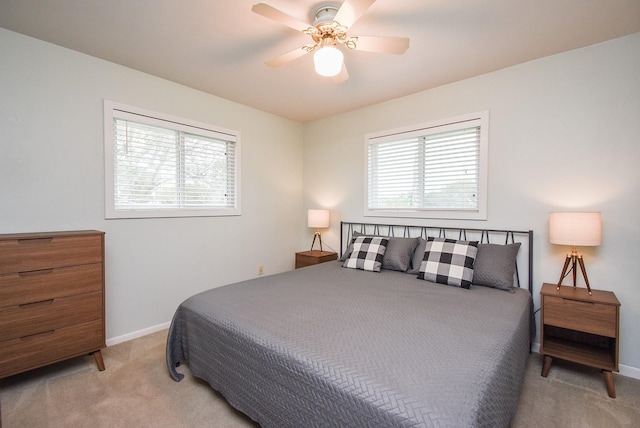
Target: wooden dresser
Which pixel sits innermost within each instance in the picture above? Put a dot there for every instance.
(51, 299)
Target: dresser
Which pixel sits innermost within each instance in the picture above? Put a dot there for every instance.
(51, 299)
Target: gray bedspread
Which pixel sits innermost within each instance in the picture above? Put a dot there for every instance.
(327, 346)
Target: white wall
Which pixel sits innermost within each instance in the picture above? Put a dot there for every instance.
(52, 178)
(564, 135)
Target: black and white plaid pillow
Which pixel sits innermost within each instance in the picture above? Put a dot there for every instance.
(367, 254)
(449, 261)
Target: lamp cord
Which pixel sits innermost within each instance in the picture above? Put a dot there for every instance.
(569, 271)
(329, 246)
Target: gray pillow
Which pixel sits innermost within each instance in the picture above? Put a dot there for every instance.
(397, 255)
(418, 254)
(349, 249)
(495, 265)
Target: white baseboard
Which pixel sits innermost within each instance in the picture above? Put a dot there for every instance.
(627, 371)
(136, 334)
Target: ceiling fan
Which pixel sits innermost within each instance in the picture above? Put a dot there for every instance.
(328, 31)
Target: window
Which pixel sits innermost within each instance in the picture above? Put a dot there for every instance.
(162, 166)
(434, 170)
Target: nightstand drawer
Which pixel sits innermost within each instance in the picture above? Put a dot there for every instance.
(314, 257)
(589, 317)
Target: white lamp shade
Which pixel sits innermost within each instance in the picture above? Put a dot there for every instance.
(328, 61)
(579, 229)
(318, 219)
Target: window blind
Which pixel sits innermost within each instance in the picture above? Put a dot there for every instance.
(156, 167)
(432, 169)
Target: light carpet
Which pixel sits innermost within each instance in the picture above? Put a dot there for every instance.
(136, 391)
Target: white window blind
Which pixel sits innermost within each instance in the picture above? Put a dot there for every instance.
(435, 170)
(166, 167)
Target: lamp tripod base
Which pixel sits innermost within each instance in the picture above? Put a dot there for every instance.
(319, 237)
(574, 259)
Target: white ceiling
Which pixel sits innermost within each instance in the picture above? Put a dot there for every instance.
(220, 46)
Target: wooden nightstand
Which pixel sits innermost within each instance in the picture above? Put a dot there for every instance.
(314, 257)
(580, 328)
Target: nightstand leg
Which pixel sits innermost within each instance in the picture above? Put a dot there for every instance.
(608, 380)
(546, 366)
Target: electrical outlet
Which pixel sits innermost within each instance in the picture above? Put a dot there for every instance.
(260, 269)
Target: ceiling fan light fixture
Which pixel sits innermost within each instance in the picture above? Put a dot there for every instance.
(328, 61)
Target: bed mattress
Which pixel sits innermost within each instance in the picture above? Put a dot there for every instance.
(327, 346)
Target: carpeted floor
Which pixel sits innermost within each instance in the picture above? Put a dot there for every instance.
(136, 391)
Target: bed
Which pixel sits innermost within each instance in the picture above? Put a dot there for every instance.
(331, 346)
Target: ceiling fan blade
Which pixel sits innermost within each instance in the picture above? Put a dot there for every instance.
(351, 10)
(279, 16)
(288, 57)
(343, 76)
(391, 45)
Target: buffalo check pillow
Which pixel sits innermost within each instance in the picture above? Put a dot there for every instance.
(449, 261)
(367, 254)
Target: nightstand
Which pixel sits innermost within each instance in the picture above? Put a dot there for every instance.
(580, 328)
(314, 257)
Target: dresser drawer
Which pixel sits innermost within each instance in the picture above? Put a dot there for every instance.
(35, 286)
(36, 253)
(589, 317)
(33, 318)
(18, 355)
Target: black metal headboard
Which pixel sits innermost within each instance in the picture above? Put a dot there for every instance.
(493, 236)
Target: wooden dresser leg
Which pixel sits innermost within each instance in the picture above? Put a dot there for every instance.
(99, 361)
(546, 366)
(608, 380)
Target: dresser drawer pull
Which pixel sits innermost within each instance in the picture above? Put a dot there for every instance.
(37, 335)
(35, 272)
(35, 240)
(42, 302)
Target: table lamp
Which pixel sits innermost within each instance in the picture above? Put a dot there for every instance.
(318, 219)
(578, 230)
